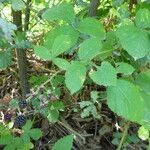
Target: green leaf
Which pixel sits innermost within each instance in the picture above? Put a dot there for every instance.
(18, 143)
(107, 46)
(135, 41)
(10, 147)
(2, 128)
(92, 27)
(25, 137)
(123, 97)
(91, 109)
(86, 112)
(58, 80)
(58, 105)
(35, 134)
(51, 36)
(142, 18)
(61, 63)
(61, 30)
(89, 49)
(143, 133)
(63, 12)
(85, 104)
(124, 68)
(53, 115)
(64, 143)
(61, 44)
(13, 103)
(5, 59)
(143, 80)
(6, 139)
(38, 80)
(146, 118)
(7, 30)
(105, 75)
(75, 76)
(27, 146)
(42, 52)
(27, 126)
(18, 5)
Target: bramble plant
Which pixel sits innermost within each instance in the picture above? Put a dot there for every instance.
(112, 55)
(123, 93)
(21, 142)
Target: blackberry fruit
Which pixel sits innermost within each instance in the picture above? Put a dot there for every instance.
(22, 104)
(7, 116)
(20, 120)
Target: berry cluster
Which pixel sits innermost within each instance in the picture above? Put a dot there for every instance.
(22, 104)
(20, 120)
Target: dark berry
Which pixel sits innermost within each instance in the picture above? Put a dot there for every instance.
(20, 120)
(42, 89)
(7, 116)
(22, 104)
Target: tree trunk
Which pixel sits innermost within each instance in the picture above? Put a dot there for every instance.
(93, 7)
(21, 56)
(27, 15)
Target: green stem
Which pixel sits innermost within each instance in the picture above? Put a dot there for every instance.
(148, 144)
(125, 133)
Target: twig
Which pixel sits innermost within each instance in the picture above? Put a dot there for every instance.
(71, 130)
(125, 133)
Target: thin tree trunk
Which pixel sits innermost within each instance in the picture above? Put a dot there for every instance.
(27, 15)
(93, 7)
(21, 56)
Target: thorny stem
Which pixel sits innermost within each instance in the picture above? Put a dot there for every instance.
(125, 133)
